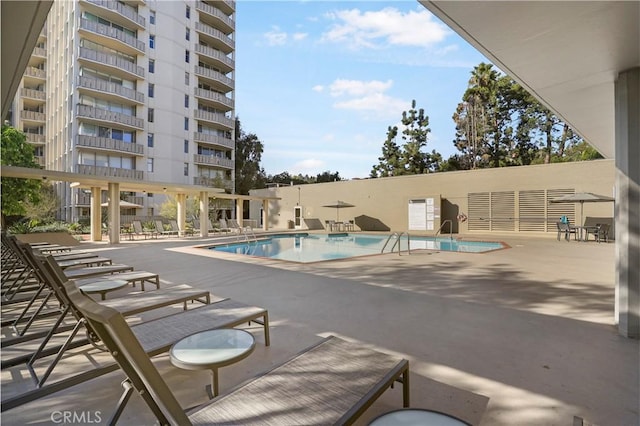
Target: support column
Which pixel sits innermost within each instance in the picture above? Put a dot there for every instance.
(627, 207)
(114, 212)
(265, 215)
(96, 214)
(204, 214)
(239, 211)
(182, 213)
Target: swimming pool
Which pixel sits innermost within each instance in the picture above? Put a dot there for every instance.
(305, 248)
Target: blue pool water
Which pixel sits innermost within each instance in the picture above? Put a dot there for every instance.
(306, 248)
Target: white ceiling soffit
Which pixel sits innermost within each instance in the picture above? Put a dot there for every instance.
(567, 54)
(22, 22)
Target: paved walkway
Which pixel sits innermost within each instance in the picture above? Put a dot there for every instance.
(519, 336)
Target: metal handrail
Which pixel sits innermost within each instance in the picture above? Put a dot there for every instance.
(397, 242)
(450, 228)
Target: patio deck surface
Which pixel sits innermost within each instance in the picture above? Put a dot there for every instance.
(518, 336)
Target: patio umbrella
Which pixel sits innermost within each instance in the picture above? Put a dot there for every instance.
(339, 205)
(582, 197)
(124, 205)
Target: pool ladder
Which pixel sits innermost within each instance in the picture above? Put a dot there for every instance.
(249, 235)
(398, 237)
(444, 222)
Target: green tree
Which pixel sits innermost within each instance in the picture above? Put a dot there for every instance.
(169, 208)
(390, 163)
(249, 174)
(15, 192)
(414, 159)
(43, 211)
(328, 177)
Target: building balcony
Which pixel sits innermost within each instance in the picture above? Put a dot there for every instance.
(39, 51)
(105, 116)
(35, 139)
(214, 117)
(40, 160)
(36, 73)
(107, 144)
(213, 140)
(84, 169)
(215, 79)
(215, 57)
(116, 12)
(34, 116)
(213, 182)
(213, 16)
(218, 100)
(226, 6)
(111, 37)
(215, 37)
(110, 63)
(38, 95)
(211, 160)
(112, 90)
(84, 199)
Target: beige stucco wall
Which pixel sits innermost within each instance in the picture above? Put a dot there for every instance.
(387, 199)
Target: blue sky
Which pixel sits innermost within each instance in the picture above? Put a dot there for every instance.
(319, 82)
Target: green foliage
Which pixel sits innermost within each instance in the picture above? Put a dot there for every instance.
(499, 123)
(16, 192)
(169, 208)
(285, 178)
(249, 174)
(45, 209)
(27, 226)
(410, 158)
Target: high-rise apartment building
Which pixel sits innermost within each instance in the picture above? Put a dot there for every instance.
(140, 89)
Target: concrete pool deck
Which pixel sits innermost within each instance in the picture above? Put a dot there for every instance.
(518, 336)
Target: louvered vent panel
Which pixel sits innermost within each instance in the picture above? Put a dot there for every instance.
(531, 211)
(557, 210)
(503, 211)
(479, 211)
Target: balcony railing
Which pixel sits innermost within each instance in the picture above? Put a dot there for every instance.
(215, 76)
(34, 138)
(109, 144)
(216, 34)
(213, 182)
(33, 94)
(227, 6)
(212, 160)
(39, 51)
(124, 10)
(40, 160)
(111, 60)
(215, 54)
(213, 117)
(109, 172)
(213, 140)
(112, 88)
(111, 32)
(32, 115)
(216, 13)
(35, 72)
(214, 97)
(85, 199)
(105, 115)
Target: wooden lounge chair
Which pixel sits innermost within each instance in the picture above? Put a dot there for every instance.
(161, 231)
(332, 382)
(139, 230)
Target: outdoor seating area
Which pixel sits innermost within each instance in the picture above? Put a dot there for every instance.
(43, 310)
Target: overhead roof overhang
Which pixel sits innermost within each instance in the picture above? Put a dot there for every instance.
(88, 181)
(568, 54)
(22, 22)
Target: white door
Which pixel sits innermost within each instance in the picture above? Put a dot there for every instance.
(297, 217)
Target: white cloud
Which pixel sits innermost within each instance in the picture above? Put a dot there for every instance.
(318, 88)
(299, 36)
(387, 27)
(378, 103)
(275, 37)
(358, 88)
(307, 166)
